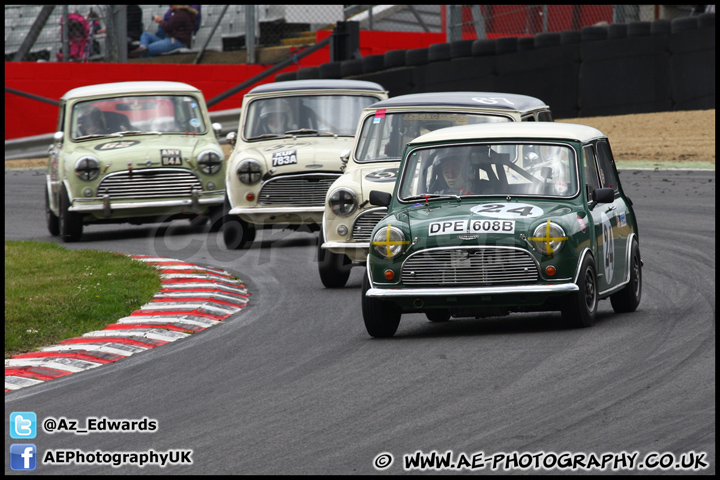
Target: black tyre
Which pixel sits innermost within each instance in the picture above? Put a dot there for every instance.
(71, 226)
(381, 317)
(582, 306)
(438, 315)
(217, 217)
(628, 299)
(334, 268)
(237, 233)
(53, 222)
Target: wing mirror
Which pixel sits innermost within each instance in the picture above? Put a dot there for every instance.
(380, 199)
(602, 195)
(231, 138)
(344, 158)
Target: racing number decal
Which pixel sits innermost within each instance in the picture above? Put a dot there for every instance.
(608, 247)
(385, 175)
(287, 157)
(507, 210)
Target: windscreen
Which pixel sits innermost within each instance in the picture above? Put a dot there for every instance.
(503, 169)
(384, 135)
(178, 114)
(308, 114)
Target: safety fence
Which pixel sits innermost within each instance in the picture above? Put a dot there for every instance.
(108, 32)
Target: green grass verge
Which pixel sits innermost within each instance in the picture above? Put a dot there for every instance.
(52, 293)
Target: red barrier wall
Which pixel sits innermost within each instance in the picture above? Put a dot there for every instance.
(26, 117)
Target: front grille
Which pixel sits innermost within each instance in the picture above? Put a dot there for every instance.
(149, 183)
(297, 190)
(365, 222)
(469, 266)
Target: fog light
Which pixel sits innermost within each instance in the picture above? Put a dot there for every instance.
(550, 270)
(88, 192)
(389, 274)
(342, 230)
(250, 197)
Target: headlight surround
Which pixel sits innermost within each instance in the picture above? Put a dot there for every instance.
(249, 172)
(342, 202)
(87, 168)
(548, 238)
(389, 241)
(209, 162)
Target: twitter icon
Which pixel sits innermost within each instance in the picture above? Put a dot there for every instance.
(23, 425)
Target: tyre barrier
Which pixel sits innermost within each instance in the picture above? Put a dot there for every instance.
(191, 299)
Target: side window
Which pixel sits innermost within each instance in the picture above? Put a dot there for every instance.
(528, 118)
(591, 176)
(544, 116)
(606, 164)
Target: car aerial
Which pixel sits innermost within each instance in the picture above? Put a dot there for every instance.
(383, 131)
(133, 152)
(490, 219)
(287, 153)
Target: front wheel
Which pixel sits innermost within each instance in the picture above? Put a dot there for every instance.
(582, 306)
(53, 222)
(628, 299)
(236, 232)
(334, 268)
(381, 317)
(71, 226)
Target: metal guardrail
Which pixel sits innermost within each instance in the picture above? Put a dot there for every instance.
(37, 145)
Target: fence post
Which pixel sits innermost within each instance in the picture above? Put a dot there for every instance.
(250, 33)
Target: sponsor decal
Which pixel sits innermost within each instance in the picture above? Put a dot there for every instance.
(116, 145)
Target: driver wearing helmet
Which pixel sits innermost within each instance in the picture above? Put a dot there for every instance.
(454, 171)
(91, 121)
(275, 117)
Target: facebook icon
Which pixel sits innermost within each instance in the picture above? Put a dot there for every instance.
(23, 456)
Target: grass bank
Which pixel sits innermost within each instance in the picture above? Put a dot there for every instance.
(52, 293)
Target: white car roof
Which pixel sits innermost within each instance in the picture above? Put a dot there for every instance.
(522, 130)
(128, 88)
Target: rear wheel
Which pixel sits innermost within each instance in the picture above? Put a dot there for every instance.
(71, 226)
(628, 299)
(53, 222)
(334, 268)
(381, 317)
(582, 306)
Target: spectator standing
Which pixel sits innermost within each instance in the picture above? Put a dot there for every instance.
(178, 33)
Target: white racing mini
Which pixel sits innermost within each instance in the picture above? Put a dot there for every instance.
(287, 153)
(383, 131)
(133, 152)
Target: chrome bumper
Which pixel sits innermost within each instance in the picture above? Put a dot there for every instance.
(469, 291)
(83, 205)
(346, 246)
(274, 210)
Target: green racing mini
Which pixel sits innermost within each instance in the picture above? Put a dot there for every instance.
(496, 218)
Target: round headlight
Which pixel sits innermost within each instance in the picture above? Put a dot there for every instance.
(210, 162)
(342, 202)
(548, 238)
(87, 168)
(389, 241)
(249, 172)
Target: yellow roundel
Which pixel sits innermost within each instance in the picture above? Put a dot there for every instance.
(548, 238)
(389, 241)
